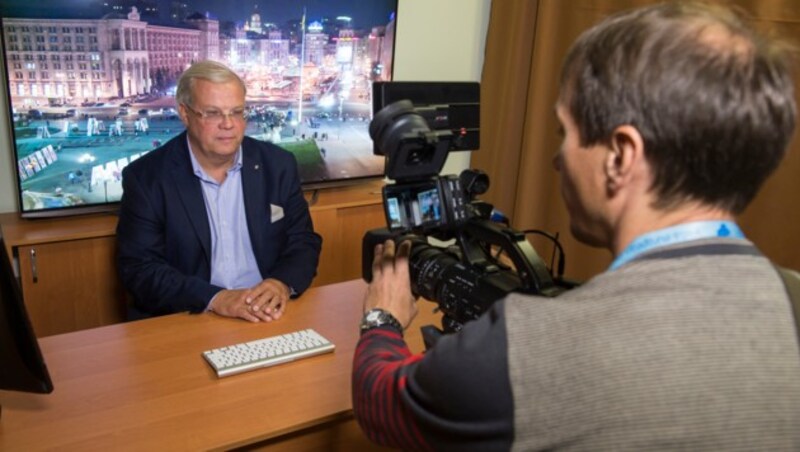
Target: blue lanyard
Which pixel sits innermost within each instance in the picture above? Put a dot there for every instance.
(677, 234)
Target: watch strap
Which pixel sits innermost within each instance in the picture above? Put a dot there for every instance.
(377, 317)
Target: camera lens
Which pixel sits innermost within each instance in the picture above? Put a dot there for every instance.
(427, 267)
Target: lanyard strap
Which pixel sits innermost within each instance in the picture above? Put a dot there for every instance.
(676, 234)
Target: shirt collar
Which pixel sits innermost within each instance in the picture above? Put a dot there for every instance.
(198, 170)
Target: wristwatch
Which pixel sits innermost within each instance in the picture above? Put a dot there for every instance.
(378, 317)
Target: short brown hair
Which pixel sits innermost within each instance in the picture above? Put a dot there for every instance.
(713, 100)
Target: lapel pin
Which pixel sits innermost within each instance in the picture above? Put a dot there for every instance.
(255, 167)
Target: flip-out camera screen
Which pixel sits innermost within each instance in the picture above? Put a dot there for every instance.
(413, 206)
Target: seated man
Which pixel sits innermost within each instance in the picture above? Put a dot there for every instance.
(673, 116)
(214, 220)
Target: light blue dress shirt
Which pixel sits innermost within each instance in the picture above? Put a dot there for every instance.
(233, 264)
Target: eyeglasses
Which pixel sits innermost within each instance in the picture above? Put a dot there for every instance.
(214, 116)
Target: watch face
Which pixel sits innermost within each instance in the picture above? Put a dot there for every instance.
(378, 317)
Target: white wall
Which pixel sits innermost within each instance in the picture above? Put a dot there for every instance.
(8, 193)
(437, 40)
(441, 40)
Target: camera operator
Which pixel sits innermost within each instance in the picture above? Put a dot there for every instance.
(673, 117)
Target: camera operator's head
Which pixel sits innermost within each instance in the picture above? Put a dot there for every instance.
(711, 102)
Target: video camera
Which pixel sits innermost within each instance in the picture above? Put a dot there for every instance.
(415, 126)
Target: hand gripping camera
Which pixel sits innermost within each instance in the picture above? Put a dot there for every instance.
(465, 277)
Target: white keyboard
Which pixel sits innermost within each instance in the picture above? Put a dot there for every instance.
(266, 352)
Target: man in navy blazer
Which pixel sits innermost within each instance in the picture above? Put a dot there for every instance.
(214, 220)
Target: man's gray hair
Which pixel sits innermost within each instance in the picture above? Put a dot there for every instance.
(211, 71)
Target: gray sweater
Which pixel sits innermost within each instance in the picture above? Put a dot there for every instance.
(674, 351)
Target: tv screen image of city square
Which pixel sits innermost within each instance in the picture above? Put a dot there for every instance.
(91, 91)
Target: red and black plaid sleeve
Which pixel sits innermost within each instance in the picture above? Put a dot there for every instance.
(456, 396)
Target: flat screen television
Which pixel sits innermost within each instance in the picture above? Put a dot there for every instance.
(23, 368)
(90, 88)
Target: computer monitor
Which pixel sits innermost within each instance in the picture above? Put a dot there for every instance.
(22, 367)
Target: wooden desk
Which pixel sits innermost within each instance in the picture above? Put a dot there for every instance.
(145, 386)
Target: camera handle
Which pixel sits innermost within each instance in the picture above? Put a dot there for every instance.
(532, 271)
(474, 237)
(430, 334)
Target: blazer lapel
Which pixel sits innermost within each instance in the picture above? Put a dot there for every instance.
(191, 194)
(255, 192)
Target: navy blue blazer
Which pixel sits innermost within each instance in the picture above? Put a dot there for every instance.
(164, 239)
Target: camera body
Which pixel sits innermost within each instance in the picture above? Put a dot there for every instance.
(465, 277)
